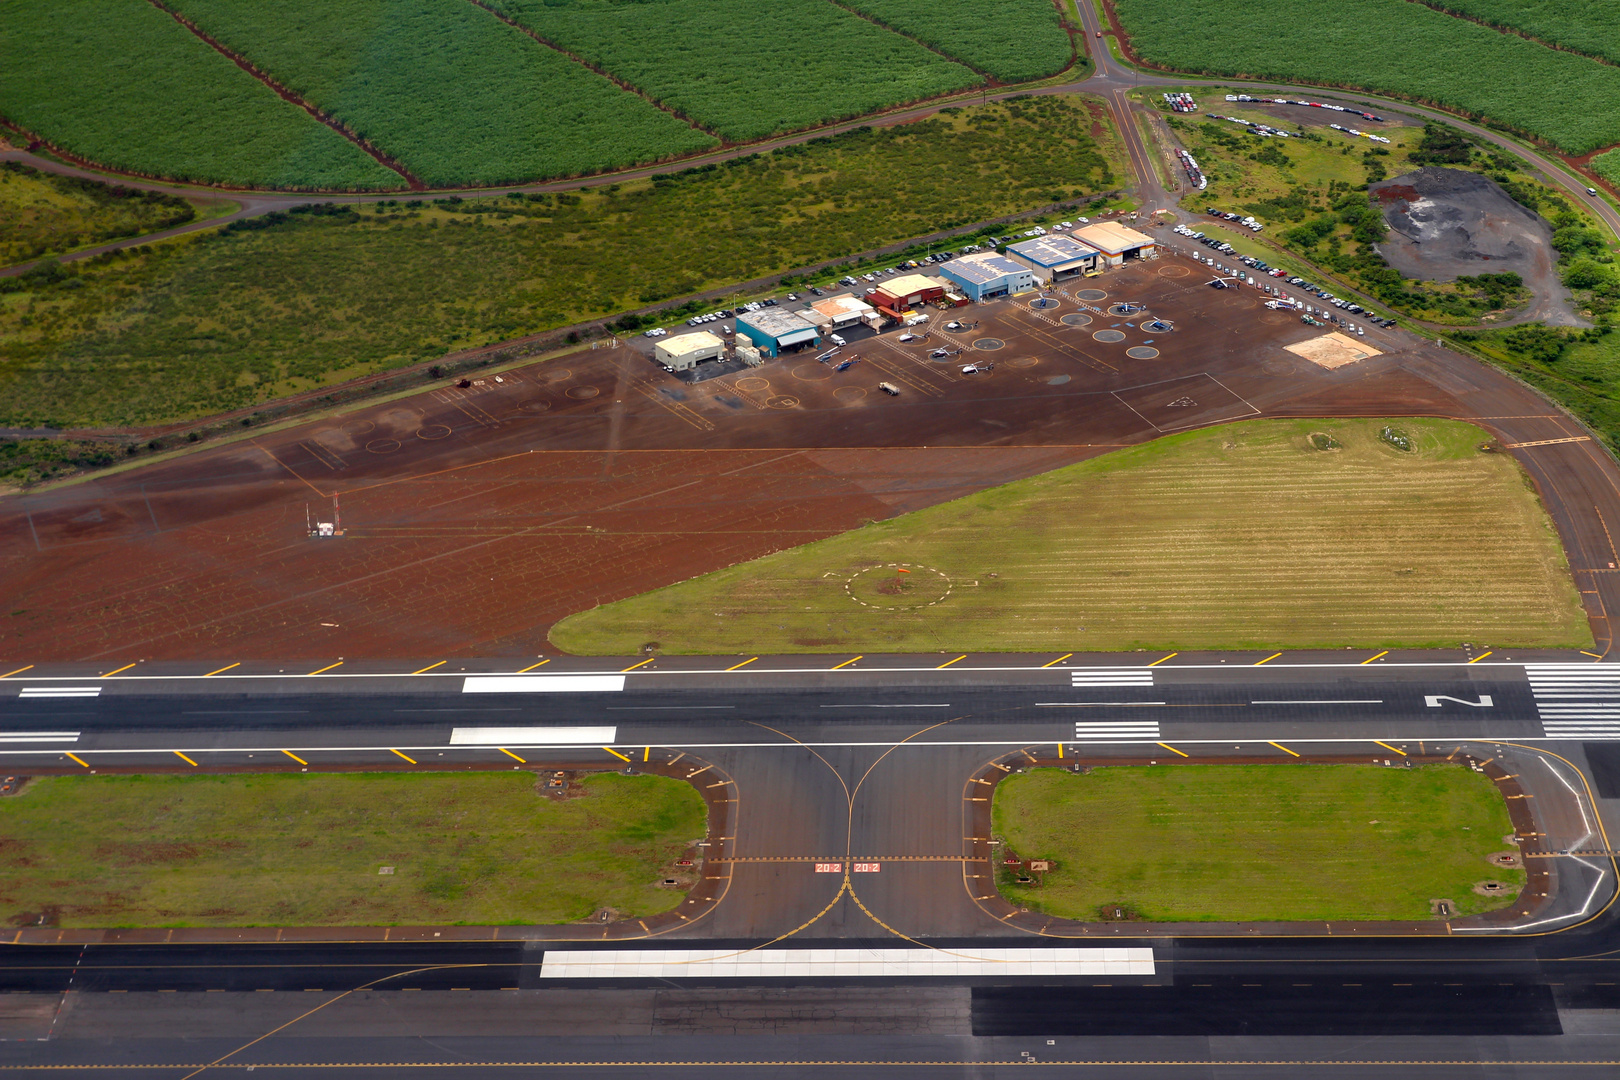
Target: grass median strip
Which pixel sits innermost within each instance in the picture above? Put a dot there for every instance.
(307, 850)
(1255, 843)
(1269, 534)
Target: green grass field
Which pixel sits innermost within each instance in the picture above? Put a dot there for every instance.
(1392, 46)
(746, 69)
(44, 214)
(1575, 24)
(1012, 40)
(305, 850)
(1243, 536)
(218, 321)
(1255, 843)
(123, 84)
(452, 93)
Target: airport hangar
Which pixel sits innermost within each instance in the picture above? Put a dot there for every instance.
(987, 275)
(775, 331)
(1055, 258)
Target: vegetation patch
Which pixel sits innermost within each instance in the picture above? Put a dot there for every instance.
(1392, 46)
(742, 68)
(45, 214)
(1255, 843)
(290, 301)
(445, 88)
(1585, 27)
(311, 850)
(1012, 40)
(1244, 536)
(123, 84)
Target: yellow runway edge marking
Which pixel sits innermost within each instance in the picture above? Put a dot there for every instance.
(1059, 660)
(846, 663)
(430, 667)
(77, 758)
(646, 753)
(1481, 656)
(745, 663)
(511, 755)
(531, 667)
(1380, 656)
(1386, 746)
(183, 758)
(615, 753)
(30, 667)
(1268, 659)
(223, 670)
(1283, 748)
(295, 757)
(1172, 749)
(948, 663)
(328, 667)
(117, 671)
(407, 757)
(633, 667)
(1162, 659)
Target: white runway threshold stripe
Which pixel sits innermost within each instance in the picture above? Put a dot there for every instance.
(38, 736)
(1577, 701)
(840, 963)
(1111, 677)
(1092, 731)
(59, 691)
(532, 736)
(542, 684)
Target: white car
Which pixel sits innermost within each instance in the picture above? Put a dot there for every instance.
(657, 331)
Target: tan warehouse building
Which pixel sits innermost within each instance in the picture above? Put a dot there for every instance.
(689, 350)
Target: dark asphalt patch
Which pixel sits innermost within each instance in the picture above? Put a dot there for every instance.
(1324, 1008)
(1604, 759)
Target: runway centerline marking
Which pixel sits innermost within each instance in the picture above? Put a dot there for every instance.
(667, 708)
(946, 705)
(1325, 701)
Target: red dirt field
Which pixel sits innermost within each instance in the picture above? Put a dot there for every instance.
(476, 518)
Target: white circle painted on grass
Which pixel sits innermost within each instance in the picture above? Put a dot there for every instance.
(907, 576)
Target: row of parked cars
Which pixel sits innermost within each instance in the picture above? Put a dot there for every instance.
(1247, 222)
(1208, 241)
(1310, 287)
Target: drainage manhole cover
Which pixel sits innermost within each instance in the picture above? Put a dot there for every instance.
(1077, 319)
(1108, 335)
(988, 344)
(1142, 352)
(1091, 295)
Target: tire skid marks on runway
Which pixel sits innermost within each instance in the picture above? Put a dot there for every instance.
(650, 391)
(1576, 701)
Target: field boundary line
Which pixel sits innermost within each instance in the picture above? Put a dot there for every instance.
(291, 97)
(623, 84)
(1516, 31)
(990, 80)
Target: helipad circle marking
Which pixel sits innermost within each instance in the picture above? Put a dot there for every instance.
(1091, 295)
(988, 344)
(433, 432)
(1142, 352)
(1076, 319)
(382, 446)
(909, 568)
(753, 382)
(1108, 335)
(783, 401)
(583, 393)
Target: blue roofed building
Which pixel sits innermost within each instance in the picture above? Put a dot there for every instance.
(1054, 258)
(987, 275)
(776, 331)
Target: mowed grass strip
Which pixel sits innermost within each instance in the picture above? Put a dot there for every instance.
(305, 850)
(1255, 843)
(1388, 45)
(743, 68)
(1243, 536)
(449, 90)
(123, 84)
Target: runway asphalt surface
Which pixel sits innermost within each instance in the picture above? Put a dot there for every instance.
(863, 762)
